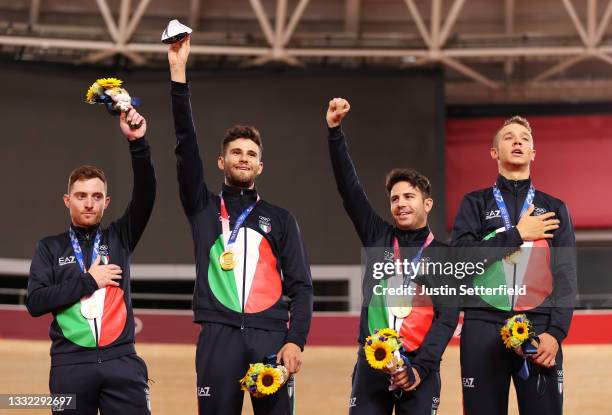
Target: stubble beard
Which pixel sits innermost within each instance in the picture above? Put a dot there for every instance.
(236, 180)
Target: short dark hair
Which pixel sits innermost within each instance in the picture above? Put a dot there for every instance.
(416, 179)
(515, 119)
(85, 172)
(242, 131)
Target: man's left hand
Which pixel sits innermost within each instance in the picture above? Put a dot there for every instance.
(400, 380)
(547, 351)
(290, 355)
(132, 117)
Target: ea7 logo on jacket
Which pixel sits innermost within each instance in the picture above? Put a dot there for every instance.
(203, 391)
(493, 214)
(468, 382)
(66, 260)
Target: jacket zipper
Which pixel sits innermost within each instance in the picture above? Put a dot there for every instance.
(244, 260)
(88, 252)
(514, 266)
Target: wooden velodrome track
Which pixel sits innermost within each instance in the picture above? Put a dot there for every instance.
(323, 385)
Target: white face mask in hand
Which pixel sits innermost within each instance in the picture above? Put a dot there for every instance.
(175, 32)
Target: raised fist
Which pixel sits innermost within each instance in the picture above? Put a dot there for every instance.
(132, 124)
(338, 108)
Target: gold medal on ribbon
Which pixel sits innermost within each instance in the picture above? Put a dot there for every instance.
(227, 260)
(401, 312)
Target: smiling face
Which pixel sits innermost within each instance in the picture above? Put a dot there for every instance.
(241, 163)
(513, 147)
(409, 207)
(86, 202)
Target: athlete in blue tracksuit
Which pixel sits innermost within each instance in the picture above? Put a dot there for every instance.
(253, 290)
(428, 328)
(501, 218)
(82, 277)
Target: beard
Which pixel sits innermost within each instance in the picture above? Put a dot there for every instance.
(243, 180)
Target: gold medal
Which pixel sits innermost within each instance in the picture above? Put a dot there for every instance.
(227, 260)
(401, 312)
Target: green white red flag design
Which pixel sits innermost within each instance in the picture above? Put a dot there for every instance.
(110, 325)
(532, 271)
(413, 328)
(262, 281)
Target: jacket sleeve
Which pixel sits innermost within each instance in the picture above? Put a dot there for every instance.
(564, 276)
(297, 283)
(467, 229)
(430, 353)
(367, 222)
(133, 222)
(192, 188)
(467, 233)
(46, 297)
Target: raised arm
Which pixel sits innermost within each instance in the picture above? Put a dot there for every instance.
(190, 173)
(133, 222)
(366, 221)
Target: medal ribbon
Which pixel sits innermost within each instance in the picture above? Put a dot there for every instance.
(78, 253)
(503, 210)
(225, 225)
(397, 255)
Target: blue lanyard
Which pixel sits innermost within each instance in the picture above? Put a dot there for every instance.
(245, 213)
(78, 253)
(503, 210)
(398, 255)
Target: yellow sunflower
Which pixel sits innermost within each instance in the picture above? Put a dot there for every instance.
(89, 97)
(108, 83)
(505, 334)
(387, 332)
(378, 354)
(93, 91)
(520, 331)
(268, 381)
(244, 382)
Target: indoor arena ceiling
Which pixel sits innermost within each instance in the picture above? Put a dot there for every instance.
(492, 50)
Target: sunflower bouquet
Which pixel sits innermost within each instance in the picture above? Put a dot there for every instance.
(384, 351)
(109, 92)
(518, 332)
(264, 379)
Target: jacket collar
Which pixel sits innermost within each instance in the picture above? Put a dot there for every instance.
(85, 234)
(412, 236)
(237, 193)
(521, 186)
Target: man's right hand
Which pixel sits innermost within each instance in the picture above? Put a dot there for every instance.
(533, 228)
(338, 108)
(105, 274)
(178, 54)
